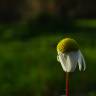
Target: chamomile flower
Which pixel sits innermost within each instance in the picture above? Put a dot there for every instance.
(69, 55)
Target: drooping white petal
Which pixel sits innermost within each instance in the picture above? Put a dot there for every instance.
(84, 64)
(72, 61)
(80, 62)
(83, 61)
(62, 61)
(58, 58)
(69, 64)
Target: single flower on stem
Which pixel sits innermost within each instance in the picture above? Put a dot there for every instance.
(69, 55)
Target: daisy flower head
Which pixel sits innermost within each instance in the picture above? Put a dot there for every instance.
(69, 55)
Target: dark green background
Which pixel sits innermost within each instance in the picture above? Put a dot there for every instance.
(28, 60)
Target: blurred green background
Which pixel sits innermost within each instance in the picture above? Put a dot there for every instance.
(29, 33)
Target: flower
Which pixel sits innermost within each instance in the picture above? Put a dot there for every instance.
(69, 55)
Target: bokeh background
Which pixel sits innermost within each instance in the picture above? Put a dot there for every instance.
(29, 33)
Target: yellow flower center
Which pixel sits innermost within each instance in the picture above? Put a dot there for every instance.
(67, 45)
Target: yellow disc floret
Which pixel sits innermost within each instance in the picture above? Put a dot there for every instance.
(67, 45)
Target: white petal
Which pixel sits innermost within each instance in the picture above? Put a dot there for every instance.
(80, 62)
(62, 61)
(69, 64)
(58, 58)
(72, 61)
(83, 61)
(84, 64)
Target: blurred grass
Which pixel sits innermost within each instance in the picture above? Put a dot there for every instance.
(30, 67)
(89, 23)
